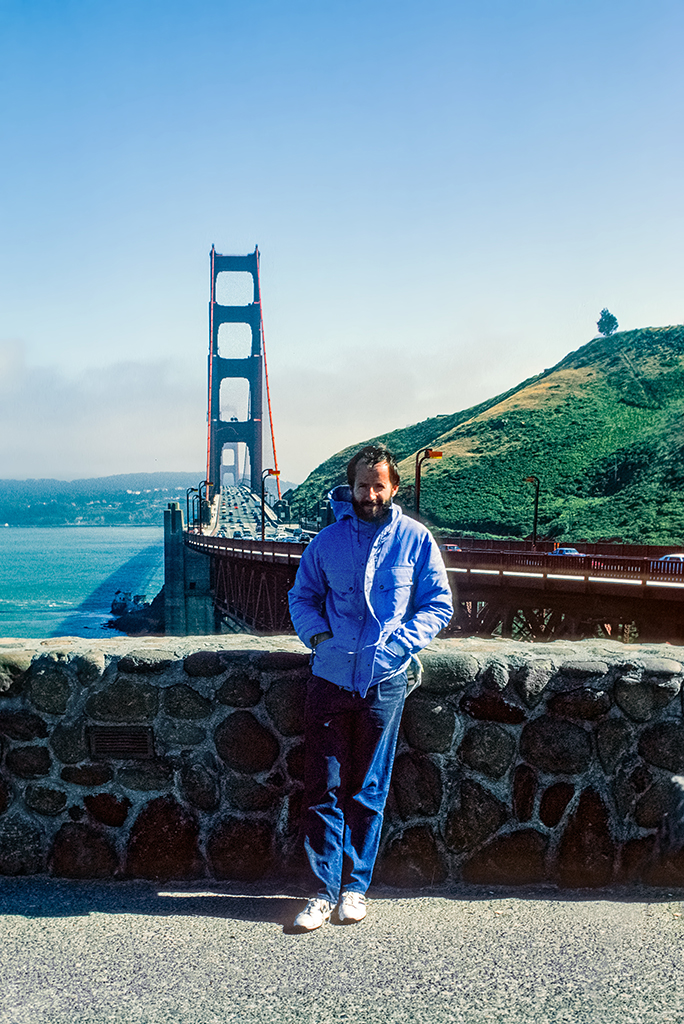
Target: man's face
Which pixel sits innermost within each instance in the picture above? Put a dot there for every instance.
(373, 491)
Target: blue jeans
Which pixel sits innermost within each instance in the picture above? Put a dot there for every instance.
(350, 746)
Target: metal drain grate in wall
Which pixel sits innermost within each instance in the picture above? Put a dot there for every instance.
(121, 742)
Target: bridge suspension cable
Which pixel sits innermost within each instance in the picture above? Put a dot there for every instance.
(268, 390)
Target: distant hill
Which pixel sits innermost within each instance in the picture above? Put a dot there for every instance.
(128, 499)
(602, 430)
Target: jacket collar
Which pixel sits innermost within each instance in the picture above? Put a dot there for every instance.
(341, 500)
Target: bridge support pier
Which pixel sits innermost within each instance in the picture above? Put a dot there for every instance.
(188, 601)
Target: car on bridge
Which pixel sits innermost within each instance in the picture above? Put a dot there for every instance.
(565, 551)
(671, 558)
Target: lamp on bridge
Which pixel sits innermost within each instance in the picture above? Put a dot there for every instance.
(534, 480)
(188, 492)
(203, 506)
(421, 456)
(266, 472)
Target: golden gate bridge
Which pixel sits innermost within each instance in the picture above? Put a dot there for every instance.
(231, 560)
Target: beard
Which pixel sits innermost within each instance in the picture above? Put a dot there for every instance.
(371, 511)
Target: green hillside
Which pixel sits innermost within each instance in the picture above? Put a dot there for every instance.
(602, 430)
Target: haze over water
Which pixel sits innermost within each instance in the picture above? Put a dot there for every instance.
(61, 581)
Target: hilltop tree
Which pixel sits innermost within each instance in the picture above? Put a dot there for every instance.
(607, 323)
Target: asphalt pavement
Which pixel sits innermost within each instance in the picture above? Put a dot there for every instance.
(146, 953)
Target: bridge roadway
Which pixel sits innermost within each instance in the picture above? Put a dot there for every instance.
(525, 594)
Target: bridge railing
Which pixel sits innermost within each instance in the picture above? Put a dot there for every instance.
(605, 566)
(627, 567)
(280, 552)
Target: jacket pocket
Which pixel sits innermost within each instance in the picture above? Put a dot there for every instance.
(391, 594)
(394, 578)
(341, 582)
(387, 661)
(333, 664)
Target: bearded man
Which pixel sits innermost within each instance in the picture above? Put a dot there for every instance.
(371, 591)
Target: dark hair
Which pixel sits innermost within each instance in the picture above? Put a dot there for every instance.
(373, 455)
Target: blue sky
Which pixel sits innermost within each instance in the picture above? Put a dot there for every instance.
(445, 196)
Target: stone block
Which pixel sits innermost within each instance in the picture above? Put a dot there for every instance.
(245, 744)
(488, 748)
(204, 663)
(68, 742)
(200, 787)
(554, 801)
(80, 851)
(478, 816)
(583, 704)
(21, 847)
(663, 745)
(660, 666)
(13, 664)
(124, 701)
(146, 776)
(278, 661)
(28, 762)
(518, 858)
(285, 700)
(532, 679)
(180, 734)
(445, 673)
(246, 794)
(183, 702)
(89, 667)
(87, 774)
(578, 669)
(143, 662)
(107, 808)
(495, 675)
(524, 792)
(655, 806)
(491, 707)
(614, 739)
(416, 784)
(164, 842)
(240, 691)
(641, 699)
(412, 860)
(48, 686)
(556, 746)
(586, 852)
(241, 849)
(428, 723)
(45, 800)
(22, 725)
(295, 762)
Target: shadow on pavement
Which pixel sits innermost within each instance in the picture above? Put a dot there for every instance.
(266, 902)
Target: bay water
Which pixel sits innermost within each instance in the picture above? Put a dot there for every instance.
(60, 581)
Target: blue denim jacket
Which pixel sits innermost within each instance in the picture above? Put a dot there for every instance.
(381, 607)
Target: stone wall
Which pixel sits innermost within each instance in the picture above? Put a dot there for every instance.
(183, 758)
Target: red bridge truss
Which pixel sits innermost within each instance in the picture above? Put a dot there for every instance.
(524, 594)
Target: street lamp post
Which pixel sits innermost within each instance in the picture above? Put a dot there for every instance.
(188, 492)
(421, 456)
(205, 484)
(534, 480)
(266, 472)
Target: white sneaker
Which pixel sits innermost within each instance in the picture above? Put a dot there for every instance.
(351, 908)
(315, 913)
